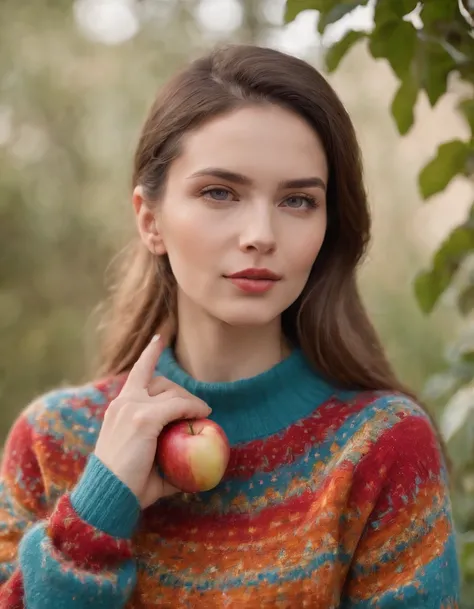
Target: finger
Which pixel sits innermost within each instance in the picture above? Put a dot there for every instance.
(149, 418)
(180, 408)
(159, 384)
(143, 369)
(156, 488)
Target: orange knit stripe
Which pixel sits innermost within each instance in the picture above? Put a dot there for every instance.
(385, 578)
(400, 526)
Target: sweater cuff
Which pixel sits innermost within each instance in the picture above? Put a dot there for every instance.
(104, 501)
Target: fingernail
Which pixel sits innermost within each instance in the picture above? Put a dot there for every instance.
(155, 338)
(209, 410)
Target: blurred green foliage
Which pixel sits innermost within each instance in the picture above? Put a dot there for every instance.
(424, 51)
(70, 111)
(71, 107)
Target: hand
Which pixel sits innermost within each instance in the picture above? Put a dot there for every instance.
(135, 419)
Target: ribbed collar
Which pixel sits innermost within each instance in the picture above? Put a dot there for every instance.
(259, 406)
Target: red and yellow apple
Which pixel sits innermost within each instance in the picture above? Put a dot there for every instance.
(193, 454)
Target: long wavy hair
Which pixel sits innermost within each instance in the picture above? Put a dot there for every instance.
(328, 321)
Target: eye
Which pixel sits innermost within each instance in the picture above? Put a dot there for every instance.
(217, 193)
(300, 202)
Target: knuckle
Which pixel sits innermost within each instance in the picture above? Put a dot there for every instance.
(172, 393)
(140, 420)
(193, 406)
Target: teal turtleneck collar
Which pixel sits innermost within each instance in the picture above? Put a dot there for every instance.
(255, 407)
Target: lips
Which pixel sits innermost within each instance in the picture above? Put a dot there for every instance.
(256, 274)
(254, 281)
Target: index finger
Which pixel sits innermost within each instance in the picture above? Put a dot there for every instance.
(142, 372)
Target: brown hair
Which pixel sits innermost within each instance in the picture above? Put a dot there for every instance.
(328, 321)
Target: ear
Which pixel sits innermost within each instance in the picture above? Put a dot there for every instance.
(147, 223)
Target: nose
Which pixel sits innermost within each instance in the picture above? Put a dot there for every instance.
(258, 234)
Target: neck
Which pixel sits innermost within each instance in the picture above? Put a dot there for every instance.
(254, 407)
(212, 351)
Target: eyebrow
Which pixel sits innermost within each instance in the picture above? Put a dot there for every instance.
(238, 178)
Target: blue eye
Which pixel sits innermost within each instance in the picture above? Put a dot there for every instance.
(300, 202)
(217, 194)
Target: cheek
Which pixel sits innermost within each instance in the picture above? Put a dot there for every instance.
(305, 250)
(188, 239)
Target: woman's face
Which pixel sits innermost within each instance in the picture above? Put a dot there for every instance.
(247, 192)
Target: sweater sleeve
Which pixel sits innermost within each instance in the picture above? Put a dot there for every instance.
(79, 554)
(406, 556)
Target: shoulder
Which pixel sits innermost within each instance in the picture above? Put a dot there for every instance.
(382, 409)
(394, 425)
(49, 441)
(68, 415)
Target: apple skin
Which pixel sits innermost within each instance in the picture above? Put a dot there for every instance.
(193, 454)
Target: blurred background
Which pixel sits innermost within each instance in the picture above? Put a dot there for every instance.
(76, 80)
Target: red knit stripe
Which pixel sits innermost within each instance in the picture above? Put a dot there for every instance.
(85, 545)
(62, 466)
(30, 487)
(290, 512)
(11, 592)
(281, 449)
(247, 459)
(395, 459)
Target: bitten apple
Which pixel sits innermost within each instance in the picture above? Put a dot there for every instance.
(193, 454)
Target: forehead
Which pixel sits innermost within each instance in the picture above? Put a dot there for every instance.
(263, 140)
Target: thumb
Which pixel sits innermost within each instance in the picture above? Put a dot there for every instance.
(156, 488)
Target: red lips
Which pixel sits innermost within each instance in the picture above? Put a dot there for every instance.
(262, 274)
(254, 281)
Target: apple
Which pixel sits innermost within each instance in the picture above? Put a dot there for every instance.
(193, 454)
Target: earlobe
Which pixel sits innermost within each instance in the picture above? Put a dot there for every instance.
(147, 224)
(156, 241)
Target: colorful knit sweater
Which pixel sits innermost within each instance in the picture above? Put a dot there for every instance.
(331, 499)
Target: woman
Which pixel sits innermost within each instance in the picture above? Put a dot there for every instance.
(252, 218)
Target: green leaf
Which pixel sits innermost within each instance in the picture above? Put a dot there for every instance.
(466, 300)
(294, 7)
(337, 12)
(428, 288)
(392, 10)
(434, 11)
(455, 248)
(450, 161)
(331, 10)
(466, 106)
(429, 285)
(434, 66)
(402, 7)
(394, 40)
(468, 357)
(337, 51)
(403, 104)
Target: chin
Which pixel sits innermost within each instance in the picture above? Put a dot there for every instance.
(249, 317)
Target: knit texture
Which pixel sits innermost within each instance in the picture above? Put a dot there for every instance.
(331, 499)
